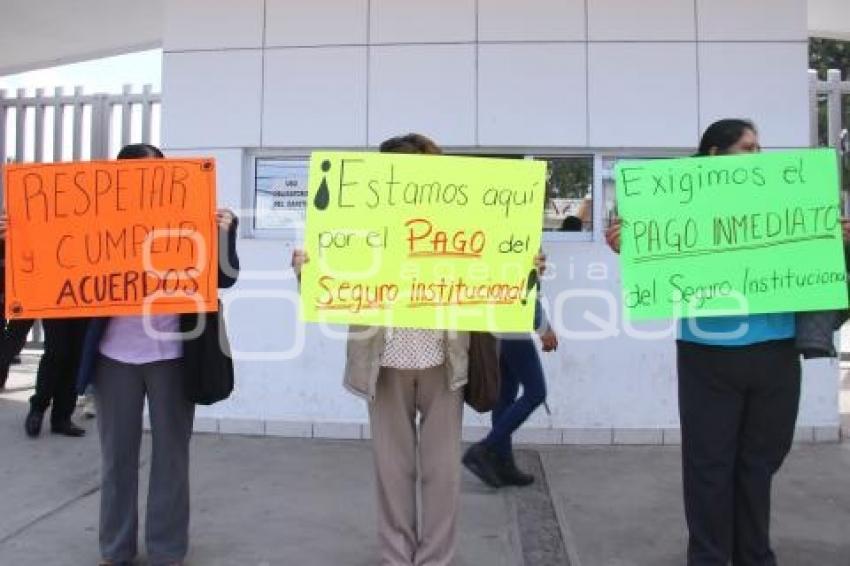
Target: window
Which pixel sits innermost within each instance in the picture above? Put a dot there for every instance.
(569, 194)
(277, 193)
(280, 195)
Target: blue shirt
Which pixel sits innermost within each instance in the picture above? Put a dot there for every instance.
(737, 330)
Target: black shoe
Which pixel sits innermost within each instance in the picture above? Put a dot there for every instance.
(511, 475)
(482, 463)
(32, 424)
(68, 428)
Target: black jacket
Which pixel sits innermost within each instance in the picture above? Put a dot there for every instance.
(194, 346)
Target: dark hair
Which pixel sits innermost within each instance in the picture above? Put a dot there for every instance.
(723, 134)
(572, 224)
(140, 151)
(410, 143)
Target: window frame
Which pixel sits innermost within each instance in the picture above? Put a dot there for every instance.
(599, 156)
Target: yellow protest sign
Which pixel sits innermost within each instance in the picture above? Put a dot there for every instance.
(422, 241)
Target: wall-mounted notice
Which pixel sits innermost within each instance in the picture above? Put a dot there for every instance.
(423, 241)
(280, 194)
(740, 234)
(111, 238)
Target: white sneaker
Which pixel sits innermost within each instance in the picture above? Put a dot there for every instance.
(89, 411)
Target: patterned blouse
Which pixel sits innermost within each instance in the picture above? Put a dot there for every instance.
(413, 348)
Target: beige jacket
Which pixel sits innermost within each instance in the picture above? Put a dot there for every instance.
(363, 359)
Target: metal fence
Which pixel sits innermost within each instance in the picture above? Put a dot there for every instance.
(74, 127)
(829, 110)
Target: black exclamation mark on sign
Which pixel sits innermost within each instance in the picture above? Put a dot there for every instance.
(323, 197)
(532, 283)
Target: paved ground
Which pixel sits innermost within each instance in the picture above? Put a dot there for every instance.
(264, 502)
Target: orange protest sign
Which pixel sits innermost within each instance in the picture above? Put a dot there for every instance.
(111, 238)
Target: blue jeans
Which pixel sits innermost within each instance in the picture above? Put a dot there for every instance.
(520, 366)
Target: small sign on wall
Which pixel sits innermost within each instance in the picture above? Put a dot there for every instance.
(280, 200)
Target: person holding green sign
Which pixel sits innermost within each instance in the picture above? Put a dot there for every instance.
(739, 393)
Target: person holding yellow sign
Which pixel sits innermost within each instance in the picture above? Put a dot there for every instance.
(739, 393)
(402, 372)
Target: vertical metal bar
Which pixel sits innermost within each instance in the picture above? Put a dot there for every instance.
(126, 116)
(20, 126)
(77, 152)
(147, 113)
(833, 81)
(39, 126)
(814, 119)
(95, 129)
(3, 131)
(38, 334)
(598, 201)
(100, 123)
(58, 125)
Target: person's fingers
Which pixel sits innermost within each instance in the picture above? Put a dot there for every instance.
(299, 258)
(540, 263)
(612, 238)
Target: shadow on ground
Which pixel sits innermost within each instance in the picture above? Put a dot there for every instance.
(289, 502)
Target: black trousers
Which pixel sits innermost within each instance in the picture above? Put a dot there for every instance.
(56, 381)
(12, 340)
(738, 408)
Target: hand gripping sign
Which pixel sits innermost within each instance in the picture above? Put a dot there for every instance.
(111, 238)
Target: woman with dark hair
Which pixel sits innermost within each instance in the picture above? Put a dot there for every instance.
(402, 372)
(130, 359)
(739, 392)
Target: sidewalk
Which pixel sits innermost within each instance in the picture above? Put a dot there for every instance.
(266, 501)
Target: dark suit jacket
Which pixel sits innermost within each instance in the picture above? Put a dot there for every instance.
(228, 271)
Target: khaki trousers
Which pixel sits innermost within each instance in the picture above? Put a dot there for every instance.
(399, 395)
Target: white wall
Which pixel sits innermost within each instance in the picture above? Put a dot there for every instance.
(566, 74)
(829, 18)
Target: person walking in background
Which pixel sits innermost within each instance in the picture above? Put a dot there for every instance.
(55, 382)
(492, 460)
(127, 365)
(572, 224)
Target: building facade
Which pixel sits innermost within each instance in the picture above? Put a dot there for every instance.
(258, 84)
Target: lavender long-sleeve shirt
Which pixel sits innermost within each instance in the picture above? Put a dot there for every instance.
(142, 340)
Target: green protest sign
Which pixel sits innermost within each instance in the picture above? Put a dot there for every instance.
(742, 234)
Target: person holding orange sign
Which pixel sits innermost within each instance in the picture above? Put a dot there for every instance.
(131, 359)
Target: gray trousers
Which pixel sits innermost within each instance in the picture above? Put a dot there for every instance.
(399, 396)
(120, 391)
